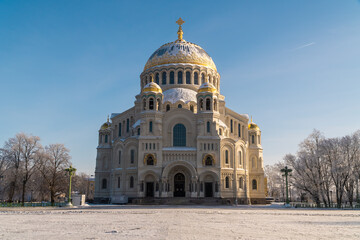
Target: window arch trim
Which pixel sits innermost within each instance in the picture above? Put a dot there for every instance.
(206, 157)
(147, 157)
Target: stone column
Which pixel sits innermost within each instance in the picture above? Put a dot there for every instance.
(164, 192)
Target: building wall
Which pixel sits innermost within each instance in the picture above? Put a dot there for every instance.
(228, 133)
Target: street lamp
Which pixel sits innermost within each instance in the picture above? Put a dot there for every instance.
(286, 172)
(330, 198)
(71, 172)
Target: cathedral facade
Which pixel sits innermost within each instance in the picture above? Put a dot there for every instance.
(179, 139)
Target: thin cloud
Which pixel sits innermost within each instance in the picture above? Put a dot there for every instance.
(304, 46)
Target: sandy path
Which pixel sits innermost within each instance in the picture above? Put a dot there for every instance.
(183, 222)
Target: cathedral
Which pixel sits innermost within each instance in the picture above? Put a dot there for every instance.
(179, 140)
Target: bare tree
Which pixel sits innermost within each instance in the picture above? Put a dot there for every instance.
(52, 163)
(80, 183)
(30, 147)
(309, 171)
(275, 180)
(351, 148)
(4, 165)
(12, 149)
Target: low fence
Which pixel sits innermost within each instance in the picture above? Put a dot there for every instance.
(32, 204)
(322, 205)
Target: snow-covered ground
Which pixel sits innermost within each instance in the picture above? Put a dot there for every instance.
(178, 222)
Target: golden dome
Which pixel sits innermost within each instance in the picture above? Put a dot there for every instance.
(253, 126)
(152, 87)
(180, 51)
(207, 87)
(106, 125)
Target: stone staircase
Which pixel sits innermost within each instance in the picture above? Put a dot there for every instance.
(178, 201)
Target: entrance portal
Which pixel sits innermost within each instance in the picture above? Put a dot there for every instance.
(179, 185)
(208, 189)
(150, 189)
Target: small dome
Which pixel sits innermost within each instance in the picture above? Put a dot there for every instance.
(180, 51)
(207, 87)
(253, 126)
(152, 87)
(106, 125)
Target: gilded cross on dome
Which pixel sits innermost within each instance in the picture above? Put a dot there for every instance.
(180, 21)
(180, 31)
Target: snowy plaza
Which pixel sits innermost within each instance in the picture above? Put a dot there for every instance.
(178, 222)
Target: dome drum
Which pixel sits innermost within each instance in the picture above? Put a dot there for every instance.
(180, 75)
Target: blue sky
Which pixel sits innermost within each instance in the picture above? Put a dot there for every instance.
(65, 65)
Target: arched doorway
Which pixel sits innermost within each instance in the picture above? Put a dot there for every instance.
(150, 185)
(208, 189)
(179, 185)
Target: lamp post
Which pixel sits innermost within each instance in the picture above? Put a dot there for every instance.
(1, 177)
(286, 172)
(330, 198)
(71, 172)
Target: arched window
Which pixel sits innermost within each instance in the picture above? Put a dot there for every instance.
(220, 131)
(119, 157)
(231, 125)
(158, 104)
(118, 182)
(157, 78)
(196, 78)
(132, 156)
(127, 125)
(167, 107)
(239, 130)
(207, 104)
(209, 79)
(151, 104)
(240, 158)
(172, 77)
(208, 127)
(202, 78)
(150, 126)
(104, 184)
(131, 182)
(241, 183)
(164, 78)
(119, 129)
(226, 156)
(201, 104)
(227, 182)
(188, 78)
(254, 184)
(144, 104)
(179, 106)
(252, 139)
(106, 138)
(179, 135)
(215, 105)
(180, 77)
(208, 161)
(253, 162)
(192, 108)
(150, 160)
(100, 138)
(138, 131)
